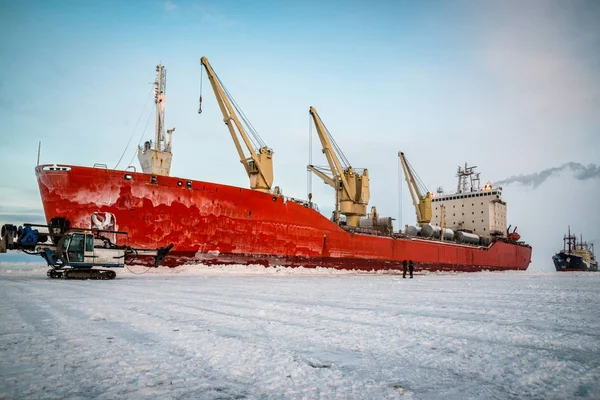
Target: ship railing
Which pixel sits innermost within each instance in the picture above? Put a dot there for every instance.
(367, 231)
(305, 203)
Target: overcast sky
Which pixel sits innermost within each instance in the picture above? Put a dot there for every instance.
(511, 87)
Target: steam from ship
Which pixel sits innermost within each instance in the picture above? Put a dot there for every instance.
(580, 172)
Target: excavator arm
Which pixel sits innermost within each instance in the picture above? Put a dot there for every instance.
(259, 164)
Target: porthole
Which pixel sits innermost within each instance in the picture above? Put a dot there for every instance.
(128, 177)
(179, 183)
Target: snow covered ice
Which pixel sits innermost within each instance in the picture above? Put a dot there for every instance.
(276, 333)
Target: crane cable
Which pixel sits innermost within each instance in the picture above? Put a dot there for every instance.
(258, 141)
(200, 105)
(134, 128)
(141, 138)
(418, 180)
(337, 149)
(309, 172)
(254, 137)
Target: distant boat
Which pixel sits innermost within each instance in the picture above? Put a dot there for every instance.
(575, 256)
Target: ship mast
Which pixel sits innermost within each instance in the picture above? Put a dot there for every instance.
(155, 158)
(159, 100)
(462, 175)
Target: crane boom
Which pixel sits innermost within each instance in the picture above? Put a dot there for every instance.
(352, 189)
(421, 202)
(259, 165)
(326, 178)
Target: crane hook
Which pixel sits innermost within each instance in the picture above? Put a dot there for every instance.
(200, 106)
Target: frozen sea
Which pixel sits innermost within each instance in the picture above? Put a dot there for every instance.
(200, 332)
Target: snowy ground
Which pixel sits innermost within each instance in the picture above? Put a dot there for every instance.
(208, 333)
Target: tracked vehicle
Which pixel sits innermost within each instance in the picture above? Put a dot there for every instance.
(77, 253)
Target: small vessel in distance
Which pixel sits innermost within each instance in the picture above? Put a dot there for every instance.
(575, 256)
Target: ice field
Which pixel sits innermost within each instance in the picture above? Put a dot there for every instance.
(200, 332)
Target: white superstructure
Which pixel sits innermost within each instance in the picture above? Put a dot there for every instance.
(472, 209)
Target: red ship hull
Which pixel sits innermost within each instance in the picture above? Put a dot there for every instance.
(219, 224)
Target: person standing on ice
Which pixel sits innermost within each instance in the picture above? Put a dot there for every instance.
(411, 268)
(404, 268)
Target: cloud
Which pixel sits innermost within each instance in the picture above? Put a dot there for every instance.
(580, 172)
(543, 55)
(169, 6)
(203, 14)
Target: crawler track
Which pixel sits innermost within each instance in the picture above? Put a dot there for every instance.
(81, 273)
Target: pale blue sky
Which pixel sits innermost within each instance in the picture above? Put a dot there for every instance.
(510, 86)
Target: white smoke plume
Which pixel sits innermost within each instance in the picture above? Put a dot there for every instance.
(580, 172)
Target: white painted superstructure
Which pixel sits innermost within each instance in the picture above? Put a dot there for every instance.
(472, 209)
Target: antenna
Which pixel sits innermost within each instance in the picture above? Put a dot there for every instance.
(39, 149)
(462, 175)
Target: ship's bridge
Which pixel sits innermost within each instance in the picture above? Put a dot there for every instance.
(474, 209)
(482, 212)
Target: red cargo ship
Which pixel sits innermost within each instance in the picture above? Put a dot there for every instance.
(213, 223)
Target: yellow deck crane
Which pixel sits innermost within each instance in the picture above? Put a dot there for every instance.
(351, 187)
(421, 197)
(259, 164)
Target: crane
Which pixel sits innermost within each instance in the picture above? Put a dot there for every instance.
(421, 197)
(259, 164)
(351, 188)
